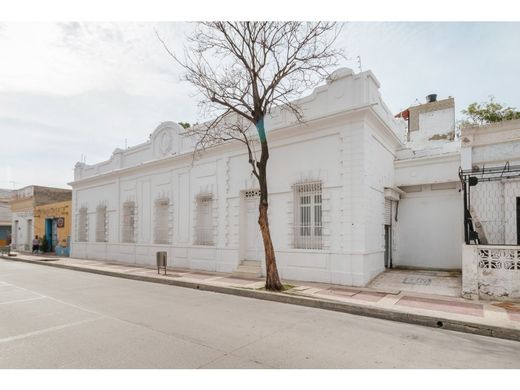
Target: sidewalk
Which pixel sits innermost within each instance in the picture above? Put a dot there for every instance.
(496, 319)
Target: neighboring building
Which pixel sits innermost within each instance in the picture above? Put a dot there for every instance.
(427, 221)
(491, 173)
(328, 181)
(5, 217)
(461, 206)
(27, 221)
(53, 221)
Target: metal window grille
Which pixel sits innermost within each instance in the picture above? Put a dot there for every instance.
(82, 225)
(252, 193)
(101, 224)
(129, 222)
(308, 228)
(162, 221)
(204, 226)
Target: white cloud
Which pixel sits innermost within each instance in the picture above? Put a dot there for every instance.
(68, 89)
(71, 58)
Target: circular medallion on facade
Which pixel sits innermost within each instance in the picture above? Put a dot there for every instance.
(165, 141)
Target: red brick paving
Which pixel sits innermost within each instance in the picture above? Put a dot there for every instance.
(347, 292)
(512, 310)
(199, 275)
(369, 296)
(513, 315)
(236, 281)
(472, 309)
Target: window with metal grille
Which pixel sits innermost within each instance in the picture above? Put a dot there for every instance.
(82, 225)
(308, 216)
(129, 222)
(204, 223)
(101, 224)
(162, 221)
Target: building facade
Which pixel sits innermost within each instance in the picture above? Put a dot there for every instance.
(5, 217)
(53, 221)
(490, 162)
(428, 221)
(330, 180)
(352, 190)
(29, 218)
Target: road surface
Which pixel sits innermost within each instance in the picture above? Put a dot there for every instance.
(57, 318)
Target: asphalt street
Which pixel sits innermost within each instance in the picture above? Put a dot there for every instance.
(57, 318)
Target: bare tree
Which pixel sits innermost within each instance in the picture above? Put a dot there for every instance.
(243, 70)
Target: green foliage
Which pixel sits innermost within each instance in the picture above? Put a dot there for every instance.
(185, 125)
(44, 244)
(488, 112)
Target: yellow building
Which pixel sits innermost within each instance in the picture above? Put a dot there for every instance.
(5, 217)
(43, 212)
(53, 221)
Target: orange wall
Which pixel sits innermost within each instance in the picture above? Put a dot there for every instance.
(53, 210)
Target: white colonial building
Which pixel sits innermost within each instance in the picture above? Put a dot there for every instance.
(329, 178)
(352, 190)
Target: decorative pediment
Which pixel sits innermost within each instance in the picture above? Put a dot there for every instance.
(166, 139)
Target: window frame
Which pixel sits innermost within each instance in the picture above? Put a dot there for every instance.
(82, 224)
(101, 212)
(128, 226)
(165, 236)
(204, 235)
(308, 215)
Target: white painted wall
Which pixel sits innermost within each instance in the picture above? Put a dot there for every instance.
(490, 272)
(434, 123)
(429, 229)
(22, 237)
(348, 143)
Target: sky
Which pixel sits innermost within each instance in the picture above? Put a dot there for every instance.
(73, 91)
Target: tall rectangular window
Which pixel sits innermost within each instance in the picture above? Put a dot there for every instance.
(308, 216)
(129, 222)
(204, 223)
(101, 224)
(162, 222)
(83, 225)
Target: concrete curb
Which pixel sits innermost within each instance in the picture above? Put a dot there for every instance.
(292, 299)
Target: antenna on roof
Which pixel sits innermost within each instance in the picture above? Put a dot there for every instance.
(126, 143)
(358, 60)
(13, 183)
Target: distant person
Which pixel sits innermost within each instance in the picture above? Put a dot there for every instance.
(35, 245)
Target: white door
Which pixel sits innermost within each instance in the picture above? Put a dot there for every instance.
(253, 239)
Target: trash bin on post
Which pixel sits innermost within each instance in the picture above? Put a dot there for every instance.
(161, 261)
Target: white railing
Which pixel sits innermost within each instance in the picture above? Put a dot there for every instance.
(498, 258)
(491, 272)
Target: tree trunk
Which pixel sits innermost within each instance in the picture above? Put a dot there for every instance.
(272, 280)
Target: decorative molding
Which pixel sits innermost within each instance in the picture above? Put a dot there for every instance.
(499, 258)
